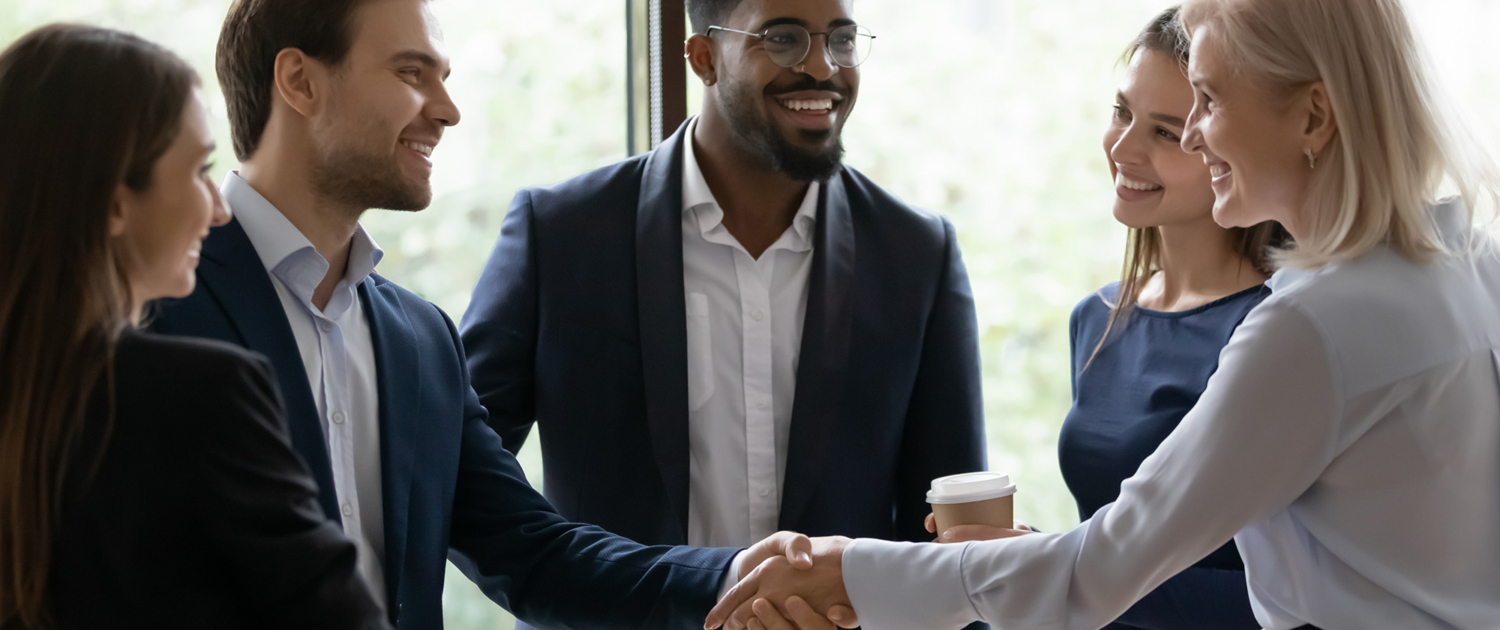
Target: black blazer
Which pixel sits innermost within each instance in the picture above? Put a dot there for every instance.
(200, 514)
(450, 489)
(578, 323)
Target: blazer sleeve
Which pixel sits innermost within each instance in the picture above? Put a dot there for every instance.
(944, 431)
(292, 567)
(568, 576)
(500, 328)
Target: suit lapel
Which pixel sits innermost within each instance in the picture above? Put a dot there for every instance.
(824, 361)
(663, 317)
(399, 374)
(235, 276)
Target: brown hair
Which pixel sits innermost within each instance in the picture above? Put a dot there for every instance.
(254, 32)
(82, 110)
(1143, 256)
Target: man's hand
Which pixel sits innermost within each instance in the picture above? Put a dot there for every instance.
(820, 585)
(799, 616)
(967, 533)
(796, 548)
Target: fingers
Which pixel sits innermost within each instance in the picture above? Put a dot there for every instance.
(768, 618)
(803, 615)
(1024, 527)
(843, 616)
(930, 523)
(967, 533)
(736, 596)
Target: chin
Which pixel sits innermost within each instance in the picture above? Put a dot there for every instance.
(1229, 213)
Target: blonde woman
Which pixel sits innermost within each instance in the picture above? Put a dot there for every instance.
(1349, 442)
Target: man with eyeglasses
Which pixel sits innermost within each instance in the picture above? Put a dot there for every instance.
(735, 333)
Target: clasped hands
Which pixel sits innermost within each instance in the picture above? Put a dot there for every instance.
(797, 582)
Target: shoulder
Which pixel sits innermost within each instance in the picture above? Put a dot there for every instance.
(618, 183)
(1384, 318)
(189, 363)
(425, 317)
(1095, 306)
(897, 217)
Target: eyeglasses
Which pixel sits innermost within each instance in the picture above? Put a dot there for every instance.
(788, 44)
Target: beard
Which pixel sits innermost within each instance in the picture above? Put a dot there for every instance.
(367, 178)
(755, 129)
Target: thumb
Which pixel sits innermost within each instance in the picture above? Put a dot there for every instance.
(843, 616)
(799, 551)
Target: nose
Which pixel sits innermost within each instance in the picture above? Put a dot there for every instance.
(819, 63)
(441, 108)
(1192, 133)
(1129, 149)
(220, 211)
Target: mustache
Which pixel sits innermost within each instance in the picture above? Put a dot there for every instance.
(807, 83)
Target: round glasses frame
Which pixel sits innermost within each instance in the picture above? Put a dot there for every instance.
(848, 52)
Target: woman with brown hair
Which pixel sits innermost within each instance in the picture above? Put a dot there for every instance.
(144, 481)
(1144, 347)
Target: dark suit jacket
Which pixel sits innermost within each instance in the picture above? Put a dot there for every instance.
(200, 515)
(579, 323)
(448, 481)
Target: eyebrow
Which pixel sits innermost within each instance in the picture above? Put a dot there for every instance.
(802, 23)
(423, 58)
(1164, 118)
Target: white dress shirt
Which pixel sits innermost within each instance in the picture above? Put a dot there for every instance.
(744, 333)
(1349, 443)
(339, 357)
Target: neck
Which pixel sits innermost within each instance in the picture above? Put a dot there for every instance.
(759, 203)
(328, 225)
(1199, 265)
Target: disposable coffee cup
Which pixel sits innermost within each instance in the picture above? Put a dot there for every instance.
(981, 498)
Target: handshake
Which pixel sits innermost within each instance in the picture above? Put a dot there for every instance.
(797, 583)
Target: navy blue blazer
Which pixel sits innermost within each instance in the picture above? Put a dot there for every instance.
(578, 323)
(448, 483)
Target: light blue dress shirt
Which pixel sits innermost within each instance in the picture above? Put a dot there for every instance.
(339, 356)
(1349, 444)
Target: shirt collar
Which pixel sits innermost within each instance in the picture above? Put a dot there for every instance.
(699, 200)
(282, 248)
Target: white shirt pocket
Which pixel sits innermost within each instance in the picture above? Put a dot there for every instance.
(700, 352)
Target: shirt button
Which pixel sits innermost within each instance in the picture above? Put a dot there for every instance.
(764, 491)
(338, 417)
(757, 315)
(762, 403)
(326, 326)
(348, 510)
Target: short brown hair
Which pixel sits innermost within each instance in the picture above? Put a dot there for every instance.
(254, 32)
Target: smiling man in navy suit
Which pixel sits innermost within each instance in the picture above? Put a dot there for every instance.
(335, 107)
(734, 334)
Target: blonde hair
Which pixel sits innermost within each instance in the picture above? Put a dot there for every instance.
(1398, 143)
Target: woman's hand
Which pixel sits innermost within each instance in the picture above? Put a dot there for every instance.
(967, 533)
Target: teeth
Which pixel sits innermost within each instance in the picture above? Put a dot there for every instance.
(1218, 170)
(825, 103)
(419, 148)
(1122, 180)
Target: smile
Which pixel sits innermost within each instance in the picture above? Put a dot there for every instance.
(813, 105)
(1126, 182)
(425, 150)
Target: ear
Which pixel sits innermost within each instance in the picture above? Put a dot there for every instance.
(119, 210)
(1322, 124)
(700, 53)
(298, 80)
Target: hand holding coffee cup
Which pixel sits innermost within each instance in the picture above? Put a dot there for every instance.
(982, 502)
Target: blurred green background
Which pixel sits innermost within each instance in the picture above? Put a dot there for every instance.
(988, 111)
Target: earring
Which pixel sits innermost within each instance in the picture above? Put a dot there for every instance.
(1312, 159)
(708, 81)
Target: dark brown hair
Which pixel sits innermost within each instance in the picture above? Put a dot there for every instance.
(1143, 257)
(82, 111)
(254, 32)
(705, 13)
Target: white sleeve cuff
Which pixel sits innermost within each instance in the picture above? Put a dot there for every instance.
(732, 576)
(899, 586)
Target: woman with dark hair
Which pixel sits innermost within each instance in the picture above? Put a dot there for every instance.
(144, 481)
(1144, 347)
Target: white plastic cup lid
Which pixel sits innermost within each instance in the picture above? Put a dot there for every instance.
(970, 487)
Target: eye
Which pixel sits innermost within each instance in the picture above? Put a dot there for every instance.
(1121, 113)
(413, 74)
(204, 170)
(1167, 135)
